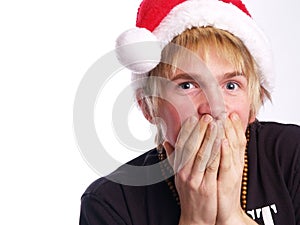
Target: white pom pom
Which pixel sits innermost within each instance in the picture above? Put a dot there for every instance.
(138, 50)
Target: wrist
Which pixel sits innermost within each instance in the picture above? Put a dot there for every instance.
(241, 218)
(186, 222)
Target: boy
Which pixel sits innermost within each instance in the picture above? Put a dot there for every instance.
(228, 167)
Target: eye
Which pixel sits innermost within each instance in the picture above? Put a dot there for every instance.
(186, 85)
(231, 86)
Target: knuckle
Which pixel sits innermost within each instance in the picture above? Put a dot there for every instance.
(178, 145)
(243, 142)
(189, 147)
(226, 153)
(199, 157)
(212, 167)
(207, 190)
(226, 166)
(192, 185)
(181, 176)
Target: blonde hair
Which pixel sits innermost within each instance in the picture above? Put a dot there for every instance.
(202, 40)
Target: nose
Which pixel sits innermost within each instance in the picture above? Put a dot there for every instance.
(211, 103)
(203, 106)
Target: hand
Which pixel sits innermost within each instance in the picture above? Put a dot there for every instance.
(195, 170)
(209, 183)
(230, 174)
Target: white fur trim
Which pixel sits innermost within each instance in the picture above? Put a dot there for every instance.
(129, 53)
(196, 13)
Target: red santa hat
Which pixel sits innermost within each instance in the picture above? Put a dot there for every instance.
(162, 20)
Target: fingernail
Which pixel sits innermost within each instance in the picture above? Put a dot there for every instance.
(235, 117)
(225, 142)
(207, 118)
(212, 125)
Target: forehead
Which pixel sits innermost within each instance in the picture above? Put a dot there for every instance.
(209, 62)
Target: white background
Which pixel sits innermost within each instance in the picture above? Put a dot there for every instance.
(45, 49)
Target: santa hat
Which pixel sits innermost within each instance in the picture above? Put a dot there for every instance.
(162, 20)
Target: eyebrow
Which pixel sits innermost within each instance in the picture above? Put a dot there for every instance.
(182, 76)
(191, 77)
(232, 74)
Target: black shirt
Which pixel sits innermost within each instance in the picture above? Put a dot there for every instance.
(273, 194)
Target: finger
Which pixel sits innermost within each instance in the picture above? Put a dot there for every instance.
(230, 133)
(226, 159)
(190, 150)
(198, 163)
(191, 146)
(233, 141)
(221, 129)
(211, 172)
(240, 132)
(239, 138)
(216, 152)
(214, 159)
(193, 143)
(184, 134)
(204, 153)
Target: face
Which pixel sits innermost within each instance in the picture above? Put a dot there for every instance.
(187, 96)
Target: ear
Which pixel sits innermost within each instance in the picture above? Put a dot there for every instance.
(252, 117)
(143, 103)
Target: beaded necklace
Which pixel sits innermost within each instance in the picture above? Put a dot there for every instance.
(166, 169)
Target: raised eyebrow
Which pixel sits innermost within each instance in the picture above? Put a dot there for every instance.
(232, 74)
(182, 76)
(190, 77)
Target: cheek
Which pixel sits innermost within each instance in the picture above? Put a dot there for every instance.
(169, 121)
(171, 117)
(242, 108)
